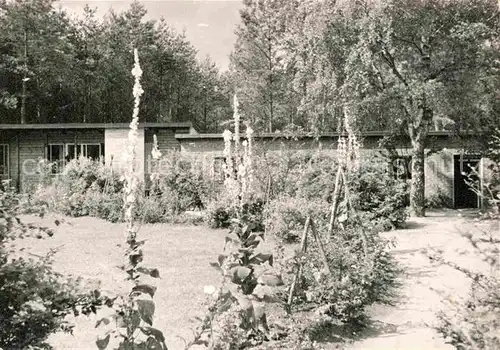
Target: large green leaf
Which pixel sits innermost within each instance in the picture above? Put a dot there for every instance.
(102, 343)
(134, 320)
(265, 294)
(240, 273)
(153, 332)
(153, 272)
(270, 279)
(145, 288)
(146, 310)
(253, 240)
(261, 258)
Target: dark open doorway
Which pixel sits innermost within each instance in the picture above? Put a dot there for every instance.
(465, 197)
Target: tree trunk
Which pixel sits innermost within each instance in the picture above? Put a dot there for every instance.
(417, 190)
(25, 79)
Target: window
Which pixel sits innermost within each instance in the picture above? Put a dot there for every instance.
(60, 154)
(401, 167)
(4, 161)
(56, 157)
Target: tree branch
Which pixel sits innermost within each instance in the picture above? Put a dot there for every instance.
(411, 42)
(390, 61)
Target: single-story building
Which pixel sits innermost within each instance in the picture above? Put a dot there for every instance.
(448, 164)
(23, 145)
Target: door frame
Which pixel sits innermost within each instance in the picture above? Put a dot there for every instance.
(472, 157)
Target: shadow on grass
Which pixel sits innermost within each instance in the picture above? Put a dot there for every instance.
(413, 225)
(343, 333)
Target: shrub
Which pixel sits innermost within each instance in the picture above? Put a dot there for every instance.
(85, 187)
(153, 209)
(183, 182)
(311, 176)
(381, 198)
(285, 217)
(220, 212)
(33, 298)
(305, 174)
(102, 204)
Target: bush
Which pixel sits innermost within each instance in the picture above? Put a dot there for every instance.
(33, 298)
(85, 187)
(285, 217)
(311, 176)
(153, 209)
(220, 212)
(183, 182)
(380, 198)
(305, 174)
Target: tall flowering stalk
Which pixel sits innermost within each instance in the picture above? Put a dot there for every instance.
(348, 159)
(131, 176)
(353, 144)
(230, 180)
(249, 156)
(239, 306)
(238, 169)
(156, 155)
(237, 118)
(348, 147)
(133, 316)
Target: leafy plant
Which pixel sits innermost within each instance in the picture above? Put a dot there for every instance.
(182, 181)
(285, 216)
(362, 272)
(239, 309)
(379, 197)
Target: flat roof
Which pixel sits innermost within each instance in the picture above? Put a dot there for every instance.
(173, 125)
(285, 135)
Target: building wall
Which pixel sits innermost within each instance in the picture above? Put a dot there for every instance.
(439, 177)
(439, 165)
(28, 147)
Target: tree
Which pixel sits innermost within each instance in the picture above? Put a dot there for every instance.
(415, 61)
(215, 96)
(35, 58)
(256, 63)
(88, 45)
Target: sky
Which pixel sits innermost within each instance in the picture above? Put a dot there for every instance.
(209, 24)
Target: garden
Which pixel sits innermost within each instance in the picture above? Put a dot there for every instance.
(302, 258)
(316, 252)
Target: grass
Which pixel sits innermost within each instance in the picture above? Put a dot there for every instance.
(93, 249)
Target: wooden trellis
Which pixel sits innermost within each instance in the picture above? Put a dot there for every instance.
(309, 226)
(341, 188)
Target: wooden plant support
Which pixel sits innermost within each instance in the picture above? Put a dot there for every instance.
(341, 185)
(335, 199)
(303, 248)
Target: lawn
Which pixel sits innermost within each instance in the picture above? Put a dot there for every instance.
(91, 248)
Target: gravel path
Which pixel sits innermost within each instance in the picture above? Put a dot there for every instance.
(409, 324)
